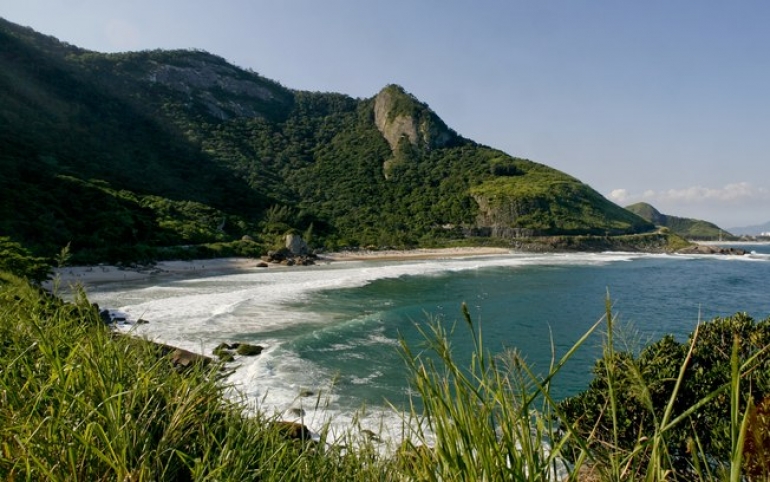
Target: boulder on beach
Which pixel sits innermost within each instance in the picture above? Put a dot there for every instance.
(184, 359)
(296, 253)
(296, 245)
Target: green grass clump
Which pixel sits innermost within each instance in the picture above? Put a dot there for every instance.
(77, 403)
(493, 419)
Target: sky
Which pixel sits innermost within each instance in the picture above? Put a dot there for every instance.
(661, 101)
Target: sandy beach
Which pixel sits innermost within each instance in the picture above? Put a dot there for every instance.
(398, 255)
(91, 275)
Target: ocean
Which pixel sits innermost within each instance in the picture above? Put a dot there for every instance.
(333, 330)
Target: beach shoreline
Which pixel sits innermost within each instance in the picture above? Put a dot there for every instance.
(411, 254)
(103, 273)
(99, 274)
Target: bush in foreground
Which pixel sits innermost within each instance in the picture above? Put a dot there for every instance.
(683, 402)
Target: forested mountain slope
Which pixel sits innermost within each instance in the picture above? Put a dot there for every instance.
(120, 154)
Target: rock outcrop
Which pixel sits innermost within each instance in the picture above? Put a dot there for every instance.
(398, 115)
(246, 349)
(706, 249)
(184, 358)
(227, 351)
(224, 90)
(295, 253)
(296, 245)
(496, 217)
(181, 359)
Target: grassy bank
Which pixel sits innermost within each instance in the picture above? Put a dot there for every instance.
(77, 403)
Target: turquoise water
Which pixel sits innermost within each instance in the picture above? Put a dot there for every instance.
(525, 308)
(335, 329)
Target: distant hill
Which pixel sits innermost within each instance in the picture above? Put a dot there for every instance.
(695, 229)
(123, 154)
(755, 230)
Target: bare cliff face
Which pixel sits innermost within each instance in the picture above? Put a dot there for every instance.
(225, 91)
(398, 115)
(202, 75)
(496, 218)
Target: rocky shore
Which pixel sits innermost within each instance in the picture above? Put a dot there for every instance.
(712, 249)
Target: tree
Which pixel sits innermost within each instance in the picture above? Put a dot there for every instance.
(16, 259)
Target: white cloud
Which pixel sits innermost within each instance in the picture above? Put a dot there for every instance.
(619, 195)
(731, 193)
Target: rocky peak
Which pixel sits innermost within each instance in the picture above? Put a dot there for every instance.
(399, 115)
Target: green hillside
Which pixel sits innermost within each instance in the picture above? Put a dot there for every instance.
(688, 228)
(125, 154)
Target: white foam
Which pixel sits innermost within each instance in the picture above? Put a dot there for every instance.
(754, 256)
(200, 313)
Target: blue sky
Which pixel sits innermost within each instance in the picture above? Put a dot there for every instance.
(664, 101)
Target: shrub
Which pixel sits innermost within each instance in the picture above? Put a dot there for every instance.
(16, 259)
(724, 364)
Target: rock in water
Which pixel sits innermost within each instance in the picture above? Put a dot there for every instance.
(249, 350)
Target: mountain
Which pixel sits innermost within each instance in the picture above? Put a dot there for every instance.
(125, 154)
(685, 227)
(755, 230)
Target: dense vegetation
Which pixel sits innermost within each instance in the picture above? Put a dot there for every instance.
(128, 156)
(79, 403)
(658, 388)
(695, 229)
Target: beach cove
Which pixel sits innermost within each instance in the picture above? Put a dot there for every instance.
(333, 330)
(90, 275)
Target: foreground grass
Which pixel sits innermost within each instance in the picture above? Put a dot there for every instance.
(77, 403)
